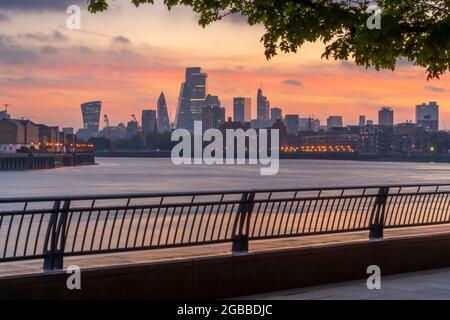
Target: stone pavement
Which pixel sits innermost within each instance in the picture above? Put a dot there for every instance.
(424, 285)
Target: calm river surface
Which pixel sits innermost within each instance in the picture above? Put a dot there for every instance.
(123, 175)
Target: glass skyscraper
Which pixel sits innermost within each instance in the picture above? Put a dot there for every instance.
(91, 116)
(262, 106)
(242, 111)
(192, 99)
(162, 115)
(149, 121)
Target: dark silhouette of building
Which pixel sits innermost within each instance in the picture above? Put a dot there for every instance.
(276, 114)
(149, 123)
(386, 116)
(291, 121)
(4, 115)
(242, 109)
(91, 117)
(262, 106)
(213, 117)
(376, 139)
(309, 124)
(192, 99)
(362, 121)
(163, 122)
(334, 122)
(427, 116)
(132, 128)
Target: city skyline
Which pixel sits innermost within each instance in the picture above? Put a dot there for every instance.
(129, 67)
(194, 90)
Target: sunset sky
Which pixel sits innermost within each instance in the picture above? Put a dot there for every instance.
(127, 56)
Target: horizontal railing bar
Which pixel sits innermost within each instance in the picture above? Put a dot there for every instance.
(187, 203)
(123, 196)
(318, 233)
(22, 258)
(151, 206)
(206, 193)
(412, 225)
(134, 249)
(20, 212)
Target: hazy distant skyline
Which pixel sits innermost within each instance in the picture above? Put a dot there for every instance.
(127, 56)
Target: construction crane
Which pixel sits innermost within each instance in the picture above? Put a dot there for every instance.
(6, 105)
(106, 121)
(134, 118)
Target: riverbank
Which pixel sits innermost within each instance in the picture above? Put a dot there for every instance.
(40, 161)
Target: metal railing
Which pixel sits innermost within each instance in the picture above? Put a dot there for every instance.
(51, 228)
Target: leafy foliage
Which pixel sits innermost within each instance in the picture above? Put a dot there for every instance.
(416, 30)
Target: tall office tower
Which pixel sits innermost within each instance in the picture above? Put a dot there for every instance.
(291, 121)
(242, 109)
(262, 106)
(132, 129)
(163, 122)
(91, 116)
(276, 114)
(212, 101)
(362, 121)
(427, 116)
(213, 117)
(149, 122)
(334, 122)
(192, 99)
(386, 116)
(183, 114)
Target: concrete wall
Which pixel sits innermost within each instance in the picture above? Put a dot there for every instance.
(230, 276)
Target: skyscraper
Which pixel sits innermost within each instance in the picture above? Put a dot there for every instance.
(91, 116)
(275, 114)
(262, 106)
(212, 101)
(427, 116)
(242, 109)
(362, 121)
(334, 122)
(163, 122)
(386, 116)
(192, 99)
(149, 123)
(213, 115)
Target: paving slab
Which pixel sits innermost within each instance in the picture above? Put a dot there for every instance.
(424, 285)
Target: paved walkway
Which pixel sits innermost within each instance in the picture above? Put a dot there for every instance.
(423, 285)
(32, 267)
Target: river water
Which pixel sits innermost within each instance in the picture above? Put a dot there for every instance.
(127, 175)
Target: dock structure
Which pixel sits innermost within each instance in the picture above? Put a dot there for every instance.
(36, 161)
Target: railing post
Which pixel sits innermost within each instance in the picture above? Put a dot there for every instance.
(378, 212)
(55, 238)
(241, 231)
